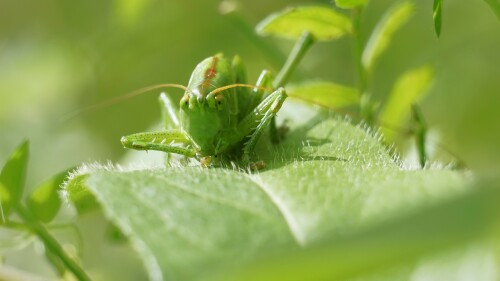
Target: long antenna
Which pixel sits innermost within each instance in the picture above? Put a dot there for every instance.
(220, 89)
(116, 100)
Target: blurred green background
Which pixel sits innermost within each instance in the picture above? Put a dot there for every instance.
(57, 57)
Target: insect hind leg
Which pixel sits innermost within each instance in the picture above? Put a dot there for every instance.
(266, 81)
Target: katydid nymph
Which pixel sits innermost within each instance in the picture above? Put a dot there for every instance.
(220, 116)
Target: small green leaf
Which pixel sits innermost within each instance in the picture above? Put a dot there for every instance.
(44, 202)
(131, 11)
(79, 196)
(13, 177)
(408, 89)
(326, 94)
(436, 15)
(322, 22)
(349, 4)
(495, 6)
(4, 202)
(382, 34)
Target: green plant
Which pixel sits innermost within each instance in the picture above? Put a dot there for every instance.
(313, 186)
(39, 208)
(334, 202)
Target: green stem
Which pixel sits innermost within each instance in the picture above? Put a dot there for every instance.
(303, 44)
(56, 263)
(420, 131)
(366, 108)
(51, 243)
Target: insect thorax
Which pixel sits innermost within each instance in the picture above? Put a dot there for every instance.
(209, 119)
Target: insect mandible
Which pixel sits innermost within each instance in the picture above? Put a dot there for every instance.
(220, 116)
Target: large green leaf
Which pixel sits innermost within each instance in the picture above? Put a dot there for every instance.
(471, 217)
(322, 22)
(328, 178)
(384, 31)
(326, 94)
(13, 177)
(408, 90)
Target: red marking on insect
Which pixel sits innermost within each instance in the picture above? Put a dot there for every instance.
(210, 74)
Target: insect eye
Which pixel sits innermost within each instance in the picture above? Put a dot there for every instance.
(185, 102)
(219, 100)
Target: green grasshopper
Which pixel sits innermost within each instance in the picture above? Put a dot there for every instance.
(220, 116)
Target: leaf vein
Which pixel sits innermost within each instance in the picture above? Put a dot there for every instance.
(291, 221)
(219, 201)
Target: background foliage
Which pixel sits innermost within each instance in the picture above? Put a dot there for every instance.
(57, 57)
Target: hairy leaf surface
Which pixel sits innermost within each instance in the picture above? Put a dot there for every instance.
(328, 178)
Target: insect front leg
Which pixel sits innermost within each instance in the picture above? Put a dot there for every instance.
(254, 124)
(166, 141)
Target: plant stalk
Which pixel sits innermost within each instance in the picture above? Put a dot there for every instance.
(51, 244)
(366, 107)
(420, 131)
(299, 49)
